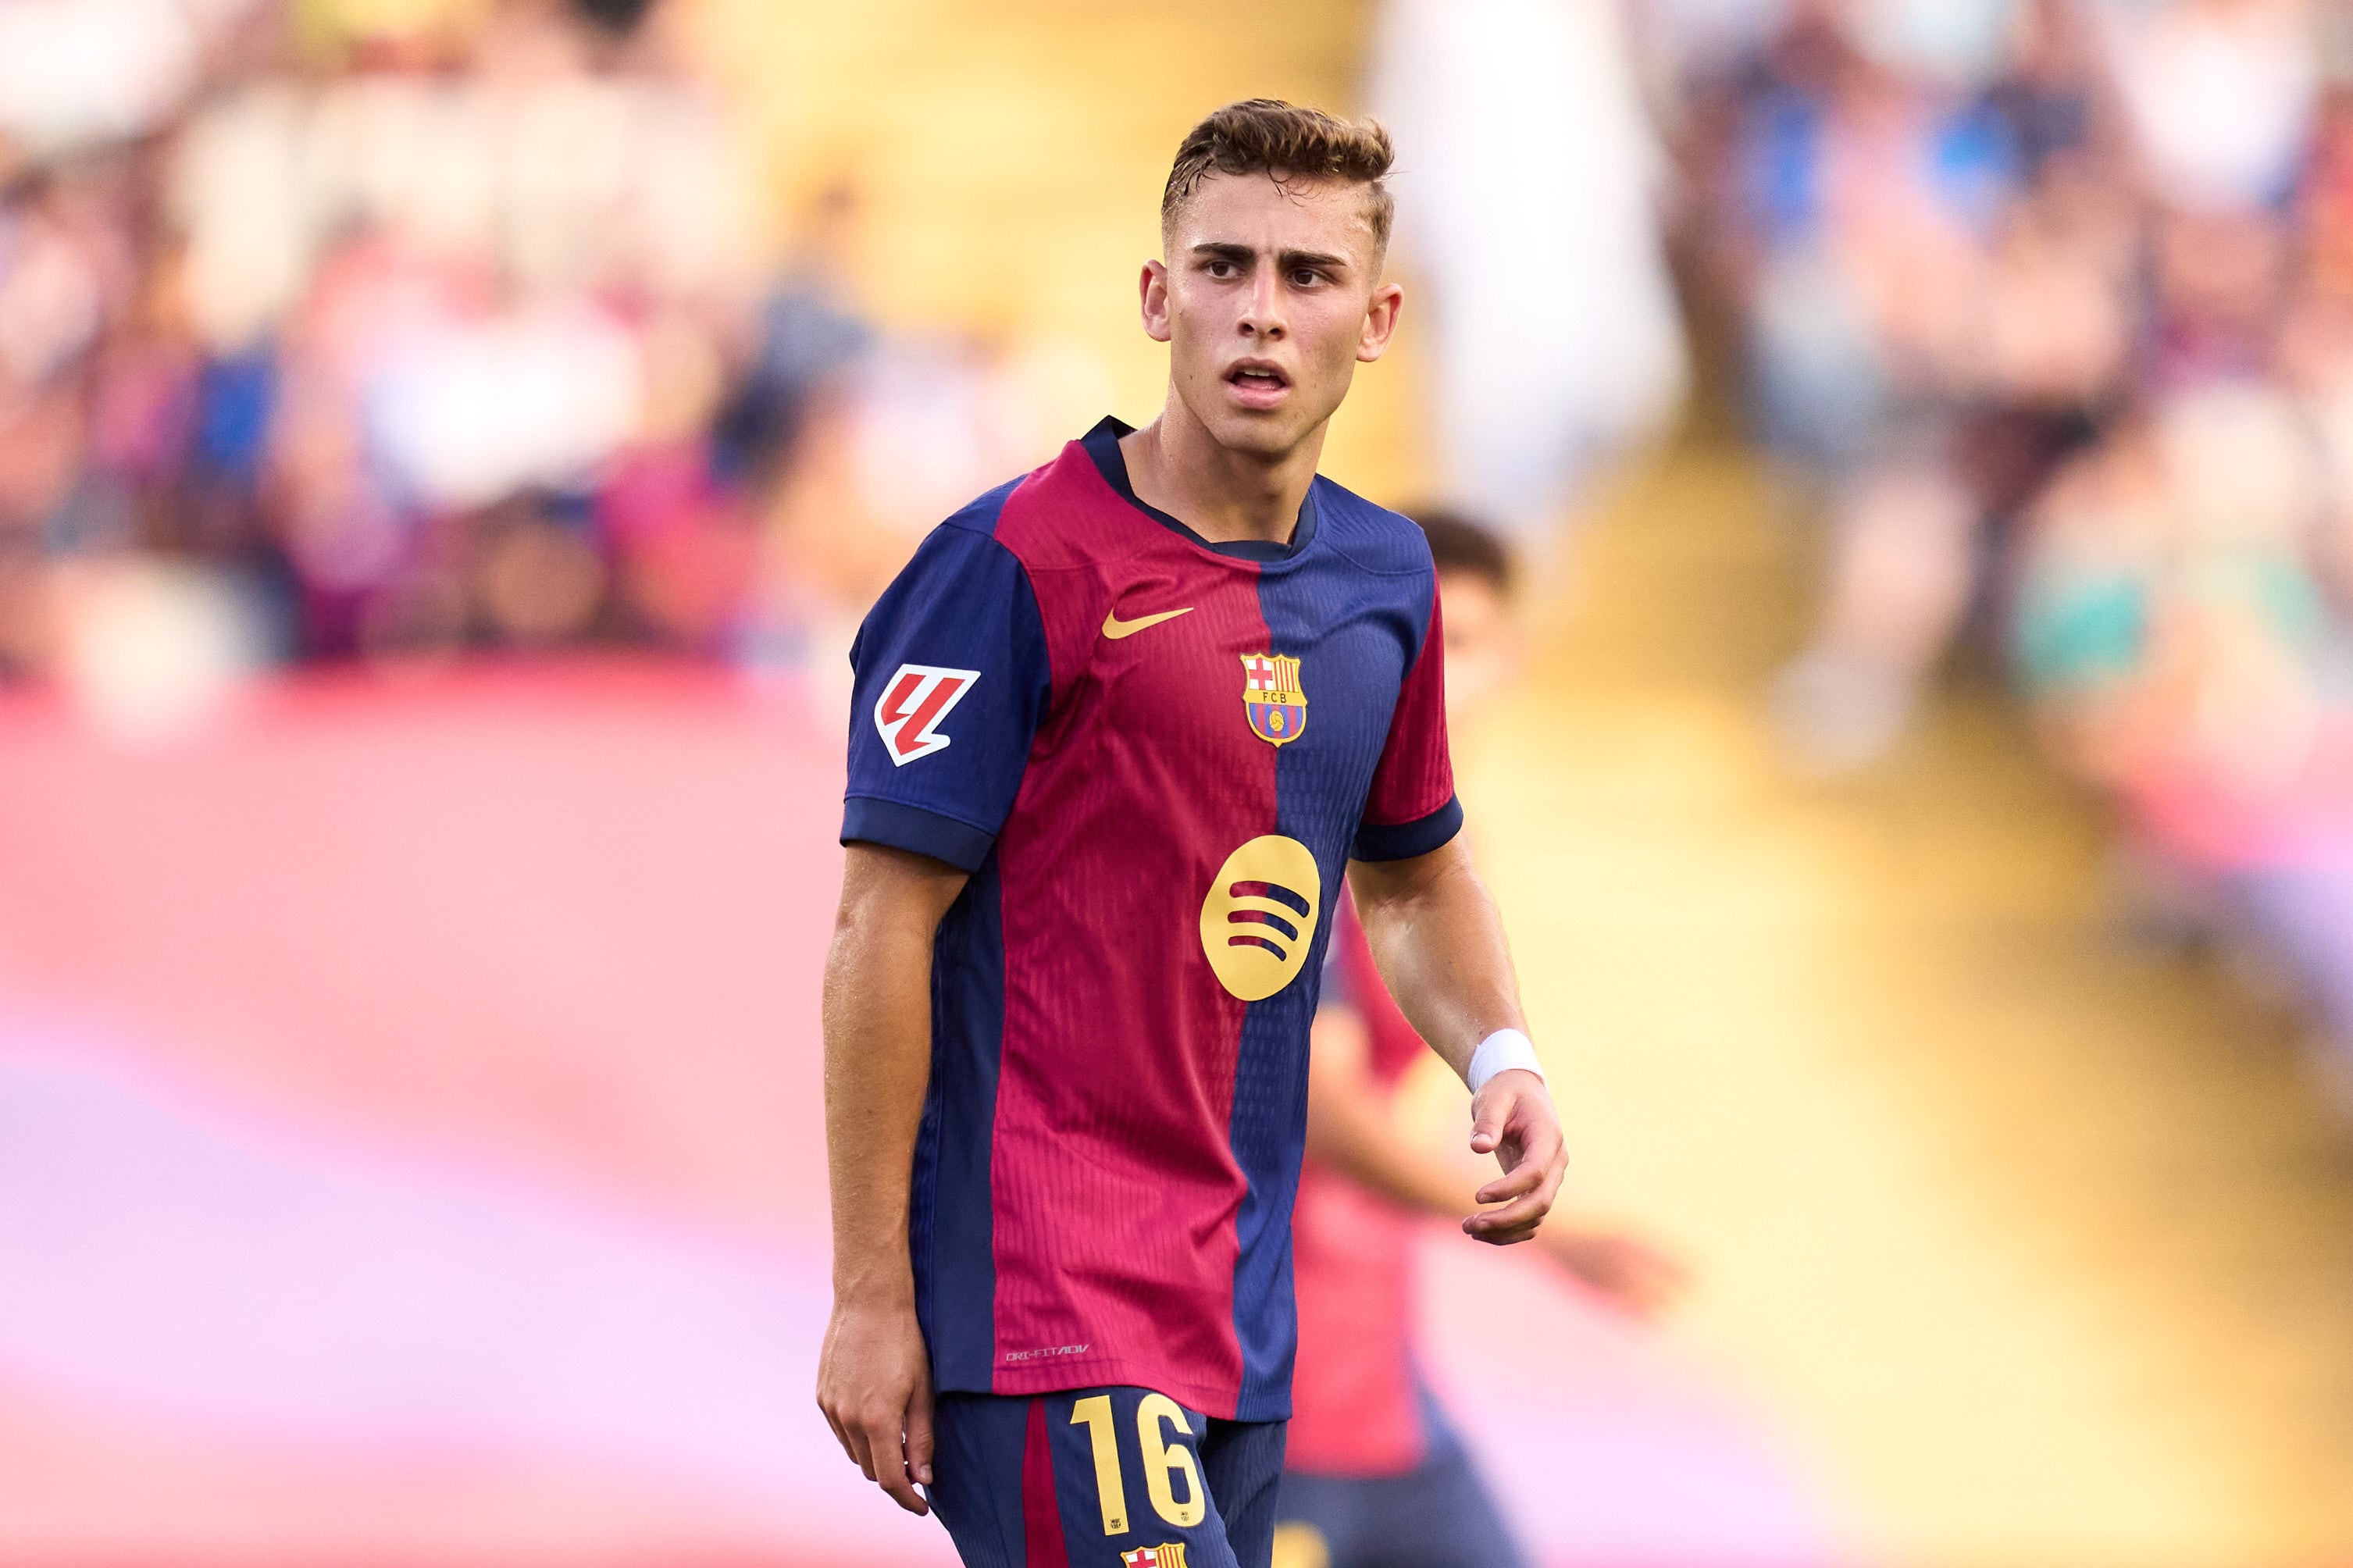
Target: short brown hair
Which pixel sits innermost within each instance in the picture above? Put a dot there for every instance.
(1266, 135)
(1458, 546)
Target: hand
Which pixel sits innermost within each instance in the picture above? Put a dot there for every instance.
(874, 1385)
(1512, 1120)
(1625, 1271)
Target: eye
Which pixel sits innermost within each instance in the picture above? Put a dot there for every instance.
(1220, 267)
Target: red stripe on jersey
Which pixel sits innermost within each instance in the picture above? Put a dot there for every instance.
(1042, 1512)
(1415, 775)
(1129, 1252)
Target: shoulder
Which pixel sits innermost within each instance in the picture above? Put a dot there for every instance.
(1067, 515)
(961, 564)
(978, 518)
(973, 536)
(1376, 540)
(1061, 516)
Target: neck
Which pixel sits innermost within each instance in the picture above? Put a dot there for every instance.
(1223, 495)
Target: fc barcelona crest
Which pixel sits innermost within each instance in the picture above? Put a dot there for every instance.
(1278, 709)
(1169, 1557)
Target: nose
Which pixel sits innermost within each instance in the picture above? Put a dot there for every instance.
(1263, 310)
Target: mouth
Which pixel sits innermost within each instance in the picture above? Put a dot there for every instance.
(1257, 383)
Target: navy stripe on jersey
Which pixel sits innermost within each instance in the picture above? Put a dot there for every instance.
(865, 820)
(1313, 784)
(949, 1227)
(1404, 840)
(965, 603)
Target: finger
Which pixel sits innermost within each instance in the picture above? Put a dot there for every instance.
(1489, 1117)
(1543, 1168)
(919, 1435)
(1507, 1236)
(839, 1435)
(1539, 1141)
(892, 1475)
(902, 1492)
(880, 1445)
(1524, 1212)
(1524, 1177)
(853, 1439)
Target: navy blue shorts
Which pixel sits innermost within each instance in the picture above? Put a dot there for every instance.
(1102, 1477)
(1437, 1515)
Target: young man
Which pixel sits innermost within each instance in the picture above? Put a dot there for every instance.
(1374, 1472)
(1120, 727)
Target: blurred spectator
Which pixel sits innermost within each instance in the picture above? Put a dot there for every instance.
(2050, 304)
(396, 329)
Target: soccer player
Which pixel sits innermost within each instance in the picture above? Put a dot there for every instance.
(1121, 728)
(1374, 1472)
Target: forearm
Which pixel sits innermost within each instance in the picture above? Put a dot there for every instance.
(1375, 1157)
(1349, 1128)
(878, 1048)
(1439, 942)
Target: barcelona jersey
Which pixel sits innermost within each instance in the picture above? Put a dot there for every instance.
(1155, 756)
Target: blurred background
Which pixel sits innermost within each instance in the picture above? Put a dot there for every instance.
(445, 446)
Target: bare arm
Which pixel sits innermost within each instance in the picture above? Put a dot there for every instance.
(1349, 1127)
(1351, 1130)
(873, 1378)
(1439, 943)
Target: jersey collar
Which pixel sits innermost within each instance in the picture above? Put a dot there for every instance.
(1102, 445)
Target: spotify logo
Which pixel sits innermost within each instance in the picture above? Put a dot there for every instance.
(1258, 918)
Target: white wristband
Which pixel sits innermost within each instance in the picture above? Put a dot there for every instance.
(1501, 1052)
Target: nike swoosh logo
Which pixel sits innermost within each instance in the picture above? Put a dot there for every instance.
(1115, 628)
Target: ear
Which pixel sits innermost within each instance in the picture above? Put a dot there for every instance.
(1381, 321)
(1153, 291)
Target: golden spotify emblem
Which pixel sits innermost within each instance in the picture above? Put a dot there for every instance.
(1259, 920)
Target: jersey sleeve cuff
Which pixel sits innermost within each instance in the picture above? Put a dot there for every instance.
(1404, 840)
(867, 820)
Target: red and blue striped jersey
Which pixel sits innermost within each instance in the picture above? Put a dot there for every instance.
(1155, 756)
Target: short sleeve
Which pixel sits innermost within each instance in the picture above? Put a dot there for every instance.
(1411, 809)
(951, 684)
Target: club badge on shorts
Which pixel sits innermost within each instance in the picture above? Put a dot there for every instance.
(1169, 1557)
(1277, 708)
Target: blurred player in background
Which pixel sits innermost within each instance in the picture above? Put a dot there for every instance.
(1121, 728)
(1376, 1476)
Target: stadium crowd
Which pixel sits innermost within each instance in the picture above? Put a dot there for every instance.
(396, 330)
(2051, 305)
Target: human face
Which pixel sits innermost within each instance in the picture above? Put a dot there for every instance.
(1269, 298)
(1482, 645)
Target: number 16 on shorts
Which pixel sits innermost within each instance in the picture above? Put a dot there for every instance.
(1129, 1471)
(1172, 1476)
